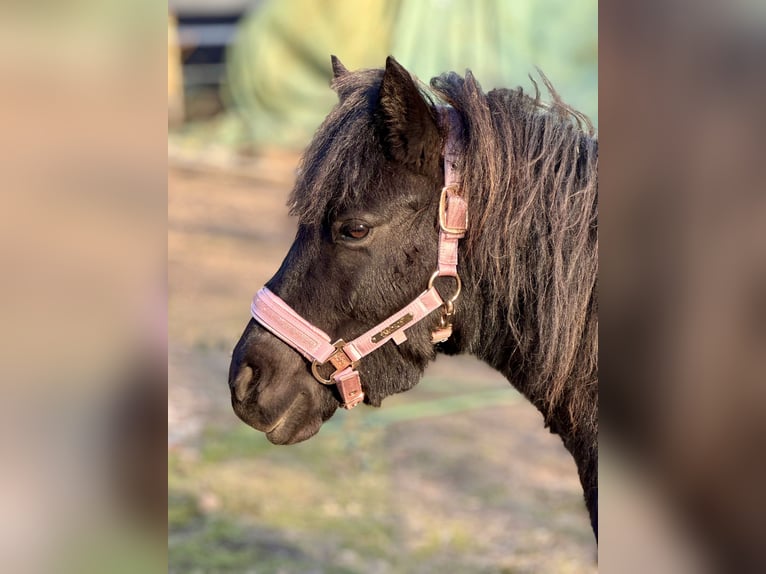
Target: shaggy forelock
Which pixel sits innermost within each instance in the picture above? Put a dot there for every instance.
(344, 157)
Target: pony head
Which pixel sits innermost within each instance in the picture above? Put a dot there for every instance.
(367, 200)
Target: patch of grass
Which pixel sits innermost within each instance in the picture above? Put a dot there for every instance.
(445, 536)
(227, 545)
(333, 504)
(336, 500)
(341, 502)
(238, 442)
(183, 510)
(443, 406)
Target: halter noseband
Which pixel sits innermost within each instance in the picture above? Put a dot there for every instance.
(314, 344)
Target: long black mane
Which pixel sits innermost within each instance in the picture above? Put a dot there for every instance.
(530, 171)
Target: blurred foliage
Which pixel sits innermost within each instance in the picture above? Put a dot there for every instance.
(278, 69)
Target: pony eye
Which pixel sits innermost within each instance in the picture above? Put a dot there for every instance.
(354, 231)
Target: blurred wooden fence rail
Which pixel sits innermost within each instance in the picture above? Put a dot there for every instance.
(199, 34)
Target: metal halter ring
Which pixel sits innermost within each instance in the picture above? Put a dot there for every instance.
(315, 371)
(339, 359)
(454, 297)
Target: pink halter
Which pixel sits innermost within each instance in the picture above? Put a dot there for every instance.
(314, 344)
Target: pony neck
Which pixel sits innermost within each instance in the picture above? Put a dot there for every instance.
(484, 332)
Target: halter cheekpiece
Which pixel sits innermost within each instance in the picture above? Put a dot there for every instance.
(314, 344)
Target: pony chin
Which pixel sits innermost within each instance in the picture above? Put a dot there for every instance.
(287, 432)
(301, 421)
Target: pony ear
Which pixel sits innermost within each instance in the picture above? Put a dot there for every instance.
(338, 69)
(405, 121)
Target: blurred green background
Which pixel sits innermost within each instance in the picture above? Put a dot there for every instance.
(270, 67)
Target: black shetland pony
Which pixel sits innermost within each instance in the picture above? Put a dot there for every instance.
(367, 200)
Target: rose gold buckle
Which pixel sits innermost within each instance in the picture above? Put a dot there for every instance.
(443, 213)
(339, 359)
(351, 392)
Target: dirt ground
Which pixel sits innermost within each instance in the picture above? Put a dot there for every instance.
(458, 475)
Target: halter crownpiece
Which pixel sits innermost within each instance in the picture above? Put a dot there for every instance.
(314, 344)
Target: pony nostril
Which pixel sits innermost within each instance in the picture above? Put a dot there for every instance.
(246, 377)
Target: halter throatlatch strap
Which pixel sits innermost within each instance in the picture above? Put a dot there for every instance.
(453, 219)
(453, 209)
(314, 344)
